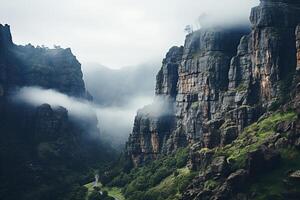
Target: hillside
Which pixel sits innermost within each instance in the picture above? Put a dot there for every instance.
(45, 153)
(234, 99)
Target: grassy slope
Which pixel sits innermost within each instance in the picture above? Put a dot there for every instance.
(112, 191)
(170, 182)
(252, 138)
(269, 185)
(173, 183)
(272, 184)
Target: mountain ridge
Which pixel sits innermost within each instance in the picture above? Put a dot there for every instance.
(236, 110)
(45, 153)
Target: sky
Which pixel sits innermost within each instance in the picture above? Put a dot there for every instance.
(116, 33)
(132, 36)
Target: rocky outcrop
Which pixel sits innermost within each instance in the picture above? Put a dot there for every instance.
(298, 46)
(151, 131)
(224, 79)
(43, 146)
(167, 77)
(259, 154)
(46, 145)
(192, 77)
(202, 83)
(5, 43)
(268, 54)
(39, 66)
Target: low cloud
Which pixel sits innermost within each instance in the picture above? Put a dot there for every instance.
(119, 93)
(114, 122)
(116, 33)
(120, 87)
(161, 106)
(36, 96)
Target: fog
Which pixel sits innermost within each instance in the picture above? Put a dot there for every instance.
(37, 96)
(120, 93)
(114, 122)
(111, 39)
(120, 87)
(116, 33)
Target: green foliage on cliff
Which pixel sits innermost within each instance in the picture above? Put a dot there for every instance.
(253, 137)
(96, 195)
(210, 184)
(168, 177)
(274, 184)
(163, 178)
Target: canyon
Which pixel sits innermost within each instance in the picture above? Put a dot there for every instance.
(223, 85)
(224, 124)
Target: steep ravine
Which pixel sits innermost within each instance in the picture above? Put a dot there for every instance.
(221, 81)
(45, 153)
(234, 99)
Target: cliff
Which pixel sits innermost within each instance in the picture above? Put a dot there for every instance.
(45, 153)
(39, 66)
(235, 94)
(222, 80)
(298, 47)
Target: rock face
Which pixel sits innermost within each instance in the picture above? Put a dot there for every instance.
(46, 145)
(43, 146)
(48, 68)
(151, 131)
(222, 80)
(298, 46)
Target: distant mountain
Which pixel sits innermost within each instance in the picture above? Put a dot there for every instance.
(117, 87)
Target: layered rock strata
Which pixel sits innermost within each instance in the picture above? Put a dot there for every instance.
(222, 80)
(39, 66)
(37, 142)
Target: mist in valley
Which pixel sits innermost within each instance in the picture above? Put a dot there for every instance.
(117, 96)
(120, 87)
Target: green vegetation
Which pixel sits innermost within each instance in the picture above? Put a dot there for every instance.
(210, 184)
(242, 87)
(96, 195)
(273, 185)
(109, 192)
(172, 186)
(253, 137)
(194, 105)
(164, 178)
(285, 88)
(168, 177)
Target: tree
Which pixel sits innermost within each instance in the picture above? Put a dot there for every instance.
(188, 29)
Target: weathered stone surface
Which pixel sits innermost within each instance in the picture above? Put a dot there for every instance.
(167, 77)
(262, 160)
(5, 43)
(49, 124)
(217, 168)
(201, 83)
(149, 135)
(5, 37)
(37, 142)
(38, 66)
(238, 178)
(224, 80)
(298, 46)
(200, 159)
(193, 78)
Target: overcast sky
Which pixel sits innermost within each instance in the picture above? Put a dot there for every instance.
(115, 33)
